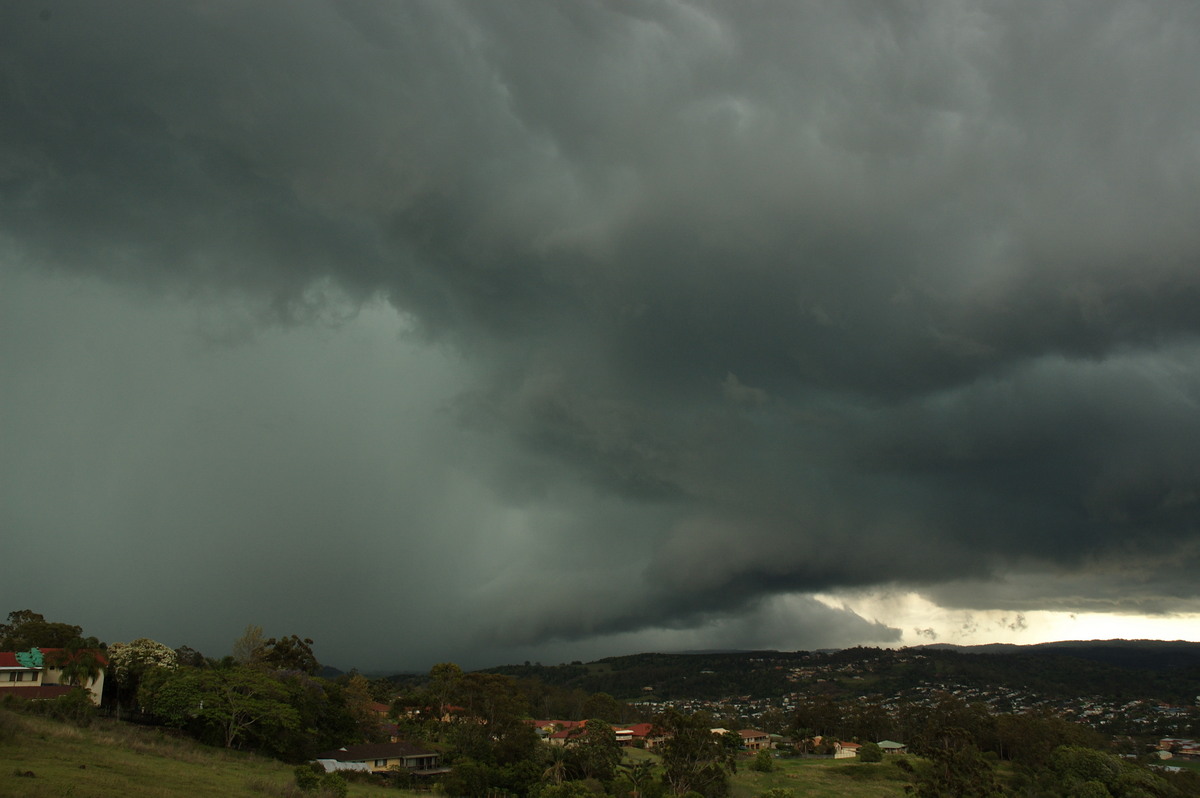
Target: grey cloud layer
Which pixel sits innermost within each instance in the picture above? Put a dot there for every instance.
(780, 297)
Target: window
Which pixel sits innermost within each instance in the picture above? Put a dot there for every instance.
(380, 763)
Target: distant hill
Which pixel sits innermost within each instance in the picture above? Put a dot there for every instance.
(1156, 655)
(1119, 669)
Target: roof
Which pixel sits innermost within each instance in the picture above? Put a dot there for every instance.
(100, 658)
(8, 659)
(890, 744)
(360, 753)
(752, 733)
(332, 765)
(35, 658)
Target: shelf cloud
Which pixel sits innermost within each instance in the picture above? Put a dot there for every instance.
(468, 331)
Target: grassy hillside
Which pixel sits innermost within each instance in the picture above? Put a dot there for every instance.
(823, 778)
(114, 760)
(818, 778)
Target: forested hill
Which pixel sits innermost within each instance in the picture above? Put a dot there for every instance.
(1153, 655)
(707, 675)
(1119, 669)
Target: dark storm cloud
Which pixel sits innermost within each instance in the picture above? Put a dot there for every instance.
(754, 299)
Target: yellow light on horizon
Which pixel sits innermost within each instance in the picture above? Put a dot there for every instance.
(922, 621)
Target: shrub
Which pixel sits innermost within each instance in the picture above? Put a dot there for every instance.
(10, 726)
(763, 762)
(870, 752)
(306, 780)
(75, 707)
(332, 784)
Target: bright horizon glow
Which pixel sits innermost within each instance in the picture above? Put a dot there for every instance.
(922, 622)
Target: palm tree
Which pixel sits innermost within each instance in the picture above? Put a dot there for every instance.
(556, 770)
(639, 774)
(80, 664)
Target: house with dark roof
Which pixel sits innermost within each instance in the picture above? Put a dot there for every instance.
(37, 674)
(384, 757)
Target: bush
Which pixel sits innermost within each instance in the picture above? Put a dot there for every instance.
(870, 752)
(763, 762)
(306, 780)
(10, 726)
(75, 707)
(332, 784)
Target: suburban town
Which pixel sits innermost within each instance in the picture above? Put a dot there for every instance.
(471, 734)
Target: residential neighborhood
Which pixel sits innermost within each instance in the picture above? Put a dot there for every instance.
(473, 733)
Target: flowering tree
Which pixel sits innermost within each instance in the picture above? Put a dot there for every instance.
(130, 662)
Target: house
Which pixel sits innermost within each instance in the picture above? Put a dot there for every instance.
(892, 747)
(558, 732)
(754, 740)
(646, 733)
(36, 674)
(846, 750)
(383, 757)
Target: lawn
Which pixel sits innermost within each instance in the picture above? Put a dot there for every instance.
(44, 759)
(823, 778)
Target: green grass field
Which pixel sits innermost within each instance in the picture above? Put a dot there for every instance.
(823, 778)
(115, 760)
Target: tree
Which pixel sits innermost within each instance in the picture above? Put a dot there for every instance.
(604, 706)
(596, 752)
(557, 764)
(639, 774)
(291, 653)
(870, 752)
(444, 679)
(130, 662)
(694, 759)
(27, 629)
(189, 657)
(231, 702)
(80, 663)
(357, 691)
(247, 648)
(955, 768)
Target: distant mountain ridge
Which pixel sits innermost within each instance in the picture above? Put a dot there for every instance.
(1154, 655)
(1156, 669)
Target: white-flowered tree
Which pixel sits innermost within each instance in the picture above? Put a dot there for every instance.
(130, 662)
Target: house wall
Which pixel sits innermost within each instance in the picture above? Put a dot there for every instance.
(409, 763)
(52, 675)
(29, 678)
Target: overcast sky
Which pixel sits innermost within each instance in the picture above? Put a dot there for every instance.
(492, 331)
